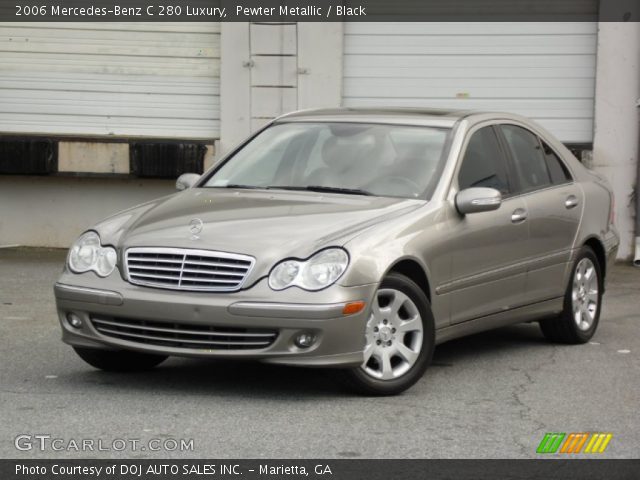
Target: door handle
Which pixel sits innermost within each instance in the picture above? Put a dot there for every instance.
(571, 202)
(519, 215)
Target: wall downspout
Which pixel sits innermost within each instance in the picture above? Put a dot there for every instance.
(636, 257)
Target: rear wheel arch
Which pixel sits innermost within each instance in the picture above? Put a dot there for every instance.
(598, 249)
(579, 319)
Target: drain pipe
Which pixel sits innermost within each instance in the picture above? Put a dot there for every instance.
(636, 257)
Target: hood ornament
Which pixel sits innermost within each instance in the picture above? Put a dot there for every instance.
(195, 227)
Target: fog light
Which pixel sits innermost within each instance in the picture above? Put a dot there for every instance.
(74, 320)
(305, 340)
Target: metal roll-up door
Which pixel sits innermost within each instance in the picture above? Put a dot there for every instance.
(545, 71)
(110, 79)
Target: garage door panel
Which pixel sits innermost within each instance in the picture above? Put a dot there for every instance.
(113, 126)
(110, 84)
(498, 49)
(481, 44)
(42, 63)
(140, 50)
(165, 27)
(568, 127)
(556, 108)
(530, 72)
(125, 97)
(476, 88)
(128, 79)
(569, 122)
(542, 70)
(135, 108)
(404, 89)
(92, 33)
(470, 28)
(470, 60)
(530, 84)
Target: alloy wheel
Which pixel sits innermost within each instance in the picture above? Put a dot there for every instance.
(584, 295)
(394, 335)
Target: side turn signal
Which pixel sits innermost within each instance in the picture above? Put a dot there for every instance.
(352, 308)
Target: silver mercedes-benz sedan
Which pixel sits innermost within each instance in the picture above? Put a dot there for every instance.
(357, 239)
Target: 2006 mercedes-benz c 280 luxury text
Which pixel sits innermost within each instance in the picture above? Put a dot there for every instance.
(357, 239)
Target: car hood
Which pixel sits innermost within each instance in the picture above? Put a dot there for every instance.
(268, 225)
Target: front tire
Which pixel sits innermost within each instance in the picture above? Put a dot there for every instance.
(583, 299)
(119, 360)
(400, 335)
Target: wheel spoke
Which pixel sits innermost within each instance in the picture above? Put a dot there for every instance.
(396, 304)
(368, 352)
(583, 271)
(405, 352)
(588, 273)
(385, 364)
(411, 325)
(579, 273)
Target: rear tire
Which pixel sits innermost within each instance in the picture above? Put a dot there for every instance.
(400, 335)
(582, 302)
(119, 360)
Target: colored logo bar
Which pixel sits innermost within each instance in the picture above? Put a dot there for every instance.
(574, 442)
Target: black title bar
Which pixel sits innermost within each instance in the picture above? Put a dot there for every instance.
(319, 10)
(552, 469)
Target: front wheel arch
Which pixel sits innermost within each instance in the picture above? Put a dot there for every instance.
(413, 271)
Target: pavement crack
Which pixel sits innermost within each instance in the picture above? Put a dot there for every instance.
(524, 410)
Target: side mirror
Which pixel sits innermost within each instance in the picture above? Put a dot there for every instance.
(478, 199)
(186, 180)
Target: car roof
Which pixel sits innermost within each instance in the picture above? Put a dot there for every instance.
(393, 115)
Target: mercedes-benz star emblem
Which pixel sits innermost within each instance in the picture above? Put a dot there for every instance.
(195, 227)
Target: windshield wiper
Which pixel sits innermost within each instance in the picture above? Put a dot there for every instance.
(237, 185)
(321, 188)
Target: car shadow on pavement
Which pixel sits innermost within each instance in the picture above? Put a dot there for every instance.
(233, 378)
(222, 378)
(501, 340)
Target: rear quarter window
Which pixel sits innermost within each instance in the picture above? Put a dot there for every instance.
(557, 169)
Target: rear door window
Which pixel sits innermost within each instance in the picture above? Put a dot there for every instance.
(528, 158)
(557, 169)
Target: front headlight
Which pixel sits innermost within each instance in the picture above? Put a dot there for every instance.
(316, 273)
(87, 254)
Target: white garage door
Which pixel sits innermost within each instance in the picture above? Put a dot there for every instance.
(117, 79)
(545, 71)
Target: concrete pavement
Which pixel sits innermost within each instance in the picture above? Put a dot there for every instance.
(493, 395)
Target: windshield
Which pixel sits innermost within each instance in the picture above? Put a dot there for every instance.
(347, 158)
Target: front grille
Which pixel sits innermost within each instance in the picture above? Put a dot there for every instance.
(180, 335)
(187, 269)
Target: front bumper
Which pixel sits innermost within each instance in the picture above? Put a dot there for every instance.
(339, 339)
